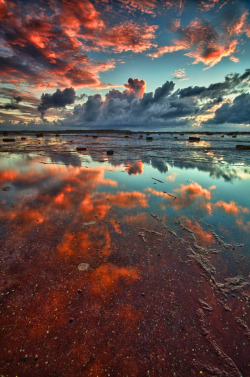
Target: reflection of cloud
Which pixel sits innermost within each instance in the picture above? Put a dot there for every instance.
(242, 226)
(192, 194)
(203, 237)
(192, 191)
(134, 167)
(171, 177)
(109, 278)
(231, 208)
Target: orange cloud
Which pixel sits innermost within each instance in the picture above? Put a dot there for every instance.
(214, 53)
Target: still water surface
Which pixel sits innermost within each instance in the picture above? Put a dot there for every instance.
(134, 264)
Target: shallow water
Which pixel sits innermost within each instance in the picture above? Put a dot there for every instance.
(134, 264)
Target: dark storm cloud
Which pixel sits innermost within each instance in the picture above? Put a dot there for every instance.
(238, 112)
(59, 99)
(233, 83)
(13, 105)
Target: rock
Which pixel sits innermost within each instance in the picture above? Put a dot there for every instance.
(8, 140)
(71, 320)
(110, 152)
(149, 138)
(23, 138)
(79, 291)
(242, 147)
(39, 135)
(83, 266)
(81, 149)
(143, 294)
(36, 357)
(193, 138)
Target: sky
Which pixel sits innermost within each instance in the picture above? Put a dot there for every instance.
(125, 64)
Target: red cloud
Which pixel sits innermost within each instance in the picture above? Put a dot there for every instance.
(53, 42)
(206, 45)
(136, 86)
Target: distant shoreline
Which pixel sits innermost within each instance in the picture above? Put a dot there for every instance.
(123, 132)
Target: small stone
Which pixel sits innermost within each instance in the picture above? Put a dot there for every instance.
(36, 357)
(71, 320)
(83, 266)
(79, 291)
(143, 294)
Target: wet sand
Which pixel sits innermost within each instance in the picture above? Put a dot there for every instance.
(131, 264)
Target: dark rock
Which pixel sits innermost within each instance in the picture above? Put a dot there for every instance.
(79, 291)
(193, 138)
(39, 135)
(8, 140)
(149, 138)
(23, 138)
(71, 320)
(81, 149)
(143, 294)
(242, 147)
(110, 152)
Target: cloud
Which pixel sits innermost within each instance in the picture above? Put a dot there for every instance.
(13, 105)
(129, 107)
(180, 74)
(237, 112)
(136, 87)
(207, 44)
(231, 84)
(59, 99)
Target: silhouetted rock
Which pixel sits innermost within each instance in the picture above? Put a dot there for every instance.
(8, 140)
(81, 148)
(110, 152)
(193, 138)
(149, 138)
(243, 147)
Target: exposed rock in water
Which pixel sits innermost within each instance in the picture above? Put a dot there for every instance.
(243, 147)
(193, 138)
(39, 135)
(8, 140)
(110, 152)
(149, 138)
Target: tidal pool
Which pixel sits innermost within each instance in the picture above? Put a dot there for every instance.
(134, 264)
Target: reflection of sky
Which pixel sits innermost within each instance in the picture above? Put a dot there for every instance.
(133, 185)
(135, 292)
